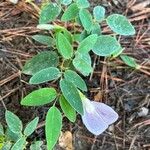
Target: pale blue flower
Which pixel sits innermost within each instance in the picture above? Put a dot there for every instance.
(97, 116)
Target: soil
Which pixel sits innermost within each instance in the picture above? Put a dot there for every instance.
(125, 89)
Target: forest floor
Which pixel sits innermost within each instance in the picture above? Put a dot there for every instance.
(125, 89)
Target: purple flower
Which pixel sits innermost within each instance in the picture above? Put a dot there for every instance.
(97, 116)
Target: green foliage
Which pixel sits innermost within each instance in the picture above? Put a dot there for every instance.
(39, 97)
(83, 3)
(31, 126)
(106, 45)
(87, 44)
(68, 110)
(71, 94)
(53, 126)
(73, 77)
(36, 145)
(73, 33)
(86, 19)
(49, 13)
(13, 122)
(99, 13)
(66, 2)
(130, 61)
(45, 75)
(120, 24)
(20, 144)
(44, 39)
(13, 138)
(41, 61)
(71, 12)
(64, 46)
(82, 61)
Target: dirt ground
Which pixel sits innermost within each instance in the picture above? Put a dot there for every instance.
(125, 89)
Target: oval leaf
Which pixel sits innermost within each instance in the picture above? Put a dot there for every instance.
(70, 13)
(87, 44)
(31, 126)
(13, 122)
(20, 144)
(53, 127)
(83, 3)
(71, 94)
(120, 24)
(64, 46)
(40, 61)
(75, 79)
(49, 13)
(66, 2)
(69, 112)
(44, 39)
(99, 13)
(45, 75)
(36, 145)
(39, 97)
(106, 45)
(130, 61)
(82, 62)
(96, 29)
(86, 19)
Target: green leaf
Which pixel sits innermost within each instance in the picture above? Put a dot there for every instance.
(96, 29)
(66, 2)
(73, 77)
(39, 97)
(87, 44)
(70, 13)
(53, 126)
(83, 35)
(44, 39)
(11, 136)
(120, 24)
(13, 122)
(46, 26)
(20, 144)
(117, 53)
(41, 61)
(99, 13)
(106, 45)
(36, 145)
(86, 19)
(64, 46)
(83, 3)
(7, 145)
(31, 126)
(49, 13)
(130, 61)
(1, 130)
(82, 62)
(45, 75)
(68, 35)
(71, 94)
(69, 112)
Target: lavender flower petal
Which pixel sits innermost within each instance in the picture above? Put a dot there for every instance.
(93, 122)
(107, 113)
(97, 116)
